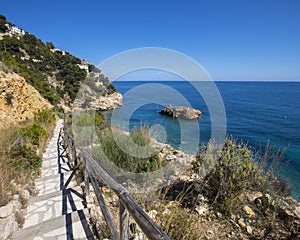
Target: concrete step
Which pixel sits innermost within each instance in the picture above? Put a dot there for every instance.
(43, 208)
(70, 226)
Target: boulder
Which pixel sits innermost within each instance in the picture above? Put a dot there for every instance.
(181, 112)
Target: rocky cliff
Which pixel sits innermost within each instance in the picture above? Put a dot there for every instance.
(109, 101)
(18, 100)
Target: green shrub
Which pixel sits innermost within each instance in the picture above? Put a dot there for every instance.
(44, 117)
(24, 159)
(126, 159)
(233, 170)
(32, 134)
(141, 136)
(59, 111)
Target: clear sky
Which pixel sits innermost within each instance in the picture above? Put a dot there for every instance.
(232, 40)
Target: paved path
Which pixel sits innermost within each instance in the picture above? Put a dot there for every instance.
(59, 210)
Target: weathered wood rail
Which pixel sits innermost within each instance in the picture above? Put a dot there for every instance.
(95, 174)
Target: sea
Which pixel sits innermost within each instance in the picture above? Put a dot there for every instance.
(258, 113)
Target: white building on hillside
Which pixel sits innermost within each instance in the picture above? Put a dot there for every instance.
(14, 30)
(84, 65)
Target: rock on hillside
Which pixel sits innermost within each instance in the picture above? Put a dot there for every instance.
(18, 100)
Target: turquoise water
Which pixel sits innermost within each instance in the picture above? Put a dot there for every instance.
(256, 112)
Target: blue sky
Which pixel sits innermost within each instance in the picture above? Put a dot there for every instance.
(232, 40)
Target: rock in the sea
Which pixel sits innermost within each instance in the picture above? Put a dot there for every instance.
(181, 112)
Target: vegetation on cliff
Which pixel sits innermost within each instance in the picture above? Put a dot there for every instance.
(56, 74)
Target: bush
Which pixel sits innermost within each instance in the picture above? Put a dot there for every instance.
(234, 170)
(24, 159)
(44, 117)
(33, 134)
(126, 159)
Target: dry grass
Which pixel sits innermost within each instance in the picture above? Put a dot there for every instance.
(176, 220)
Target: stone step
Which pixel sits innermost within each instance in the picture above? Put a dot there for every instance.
(52, 161)
(70, 226)
(55, 169)
(55, 182)
(43, 208)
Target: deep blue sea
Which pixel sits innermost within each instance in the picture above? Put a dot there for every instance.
(256, 112)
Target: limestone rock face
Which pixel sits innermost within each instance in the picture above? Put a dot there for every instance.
(109, 101)
(181, 112)
(18, 100)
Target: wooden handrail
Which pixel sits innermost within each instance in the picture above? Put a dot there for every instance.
(94, 173)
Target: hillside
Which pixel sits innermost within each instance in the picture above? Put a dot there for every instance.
(55, 73)
(18, 100)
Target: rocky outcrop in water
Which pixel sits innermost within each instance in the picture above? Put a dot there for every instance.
(181, 112)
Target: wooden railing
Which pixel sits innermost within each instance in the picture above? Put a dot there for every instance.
(95, 174)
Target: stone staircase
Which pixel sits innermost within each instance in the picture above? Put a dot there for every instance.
(59, 210)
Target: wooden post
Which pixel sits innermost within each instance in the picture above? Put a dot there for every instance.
(124, 223)
(86, 178)
(74, 153)
(107, 216)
